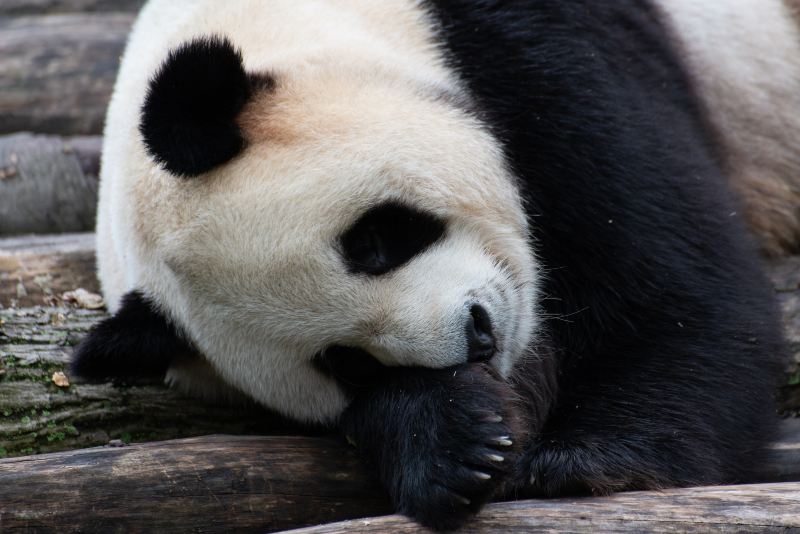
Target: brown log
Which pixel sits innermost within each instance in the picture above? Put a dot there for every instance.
(210, 484)
(747, 508)
(48, 184)
(58, 70)
(257, 484)
(36, 270)
(40, 7)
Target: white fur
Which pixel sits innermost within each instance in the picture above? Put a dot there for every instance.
(245, 259)
(744, 58)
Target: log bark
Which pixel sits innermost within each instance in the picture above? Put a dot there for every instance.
(36, 270)
(747, 508)
(49, 184)
(257, 484)
(41, 7)
(58, 70)
(37, 415)
(211, 484)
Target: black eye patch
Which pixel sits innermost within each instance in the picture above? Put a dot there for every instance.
(388, 236)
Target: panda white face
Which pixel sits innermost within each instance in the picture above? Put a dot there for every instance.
(395, 231)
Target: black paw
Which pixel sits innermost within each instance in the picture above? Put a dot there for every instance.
(443, 441)
(449, 475)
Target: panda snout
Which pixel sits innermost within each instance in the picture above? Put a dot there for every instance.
(481, 344)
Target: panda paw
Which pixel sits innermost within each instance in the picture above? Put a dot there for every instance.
(462, 467)
(444, 442)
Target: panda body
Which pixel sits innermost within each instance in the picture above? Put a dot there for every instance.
(391, 185)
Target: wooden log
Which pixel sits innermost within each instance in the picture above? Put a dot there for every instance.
(747, 508)
(243, 484)
(48, 184)
(38, 415)
(36, 270)
(59, 70)
(41, 7)
(211, 484)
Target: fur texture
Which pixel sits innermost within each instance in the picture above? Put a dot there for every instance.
(136, 342)
(188, 118)
(637, 348)
(658, 301)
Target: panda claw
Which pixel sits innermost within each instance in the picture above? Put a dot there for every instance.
(463, 500)
(482, 476)
(493, 418)
(503, 441)
(495, 457)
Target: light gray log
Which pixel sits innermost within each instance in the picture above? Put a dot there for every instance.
(40, 7)
(36, 270)
(48, 184)
(258, 484)
(749, 508)
(57, 71)
(210, 484)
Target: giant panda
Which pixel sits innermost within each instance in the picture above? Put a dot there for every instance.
(505, 247)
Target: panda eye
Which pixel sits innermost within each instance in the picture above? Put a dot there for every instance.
(387, 236)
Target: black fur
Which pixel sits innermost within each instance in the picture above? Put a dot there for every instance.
(388, 236)
(429, 435)
(189, 115)
(354, 368)
(665, 337)
(136, 342)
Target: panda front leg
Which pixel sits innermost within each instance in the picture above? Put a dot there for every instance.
(443, 442)
(650, 423)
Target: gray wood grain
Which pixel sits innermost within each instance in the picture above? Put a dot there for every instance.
(210, 484)
(258, 484)
(739, 509)
(36, 270)
(48, 184)
(57, 71)
(39, 7)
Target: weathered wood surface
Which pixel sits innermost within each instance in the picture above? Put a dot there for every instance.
(257, 484)
(57, 71)
(36, 270)
(750, 508)
(36, 415)
(41, 7)
(210, 484)
(49, 183)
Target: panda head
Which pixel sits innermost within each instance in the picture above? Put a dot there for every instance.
(327, 210)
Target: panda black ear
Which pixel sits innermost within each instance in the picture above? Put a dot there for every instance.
(189, 115)
(136, 342)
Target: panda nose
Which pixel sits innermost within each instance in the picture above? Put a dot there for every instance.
(480, 341)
